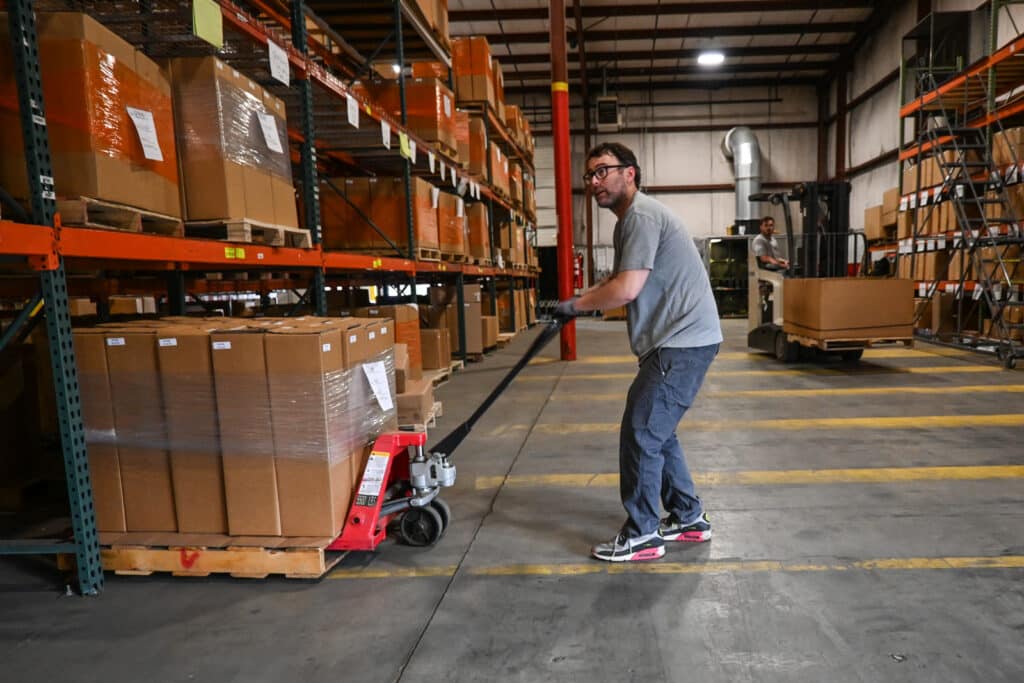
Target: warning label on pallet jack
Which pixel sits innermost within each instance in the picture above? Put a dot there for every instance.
(373, 479)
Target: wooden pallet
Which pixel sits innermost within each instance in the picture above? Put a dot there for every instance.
(474, 357)
(428, 254)
(438, 377)
(504, 338)
(198, 555)
(454, 258)
(436, 411)
(86, 212)
(253, 232)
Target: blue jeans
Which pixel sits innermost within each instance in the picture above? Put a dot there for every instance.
(652, 469)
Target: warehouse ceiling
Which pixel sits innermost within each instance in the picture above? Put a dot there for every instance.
(649, 45)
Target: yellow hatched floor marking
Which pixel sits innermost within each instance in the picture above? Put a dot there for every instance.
(797, 424)
(709, 567)
(790, 372)
(806, 393)
(875, 475)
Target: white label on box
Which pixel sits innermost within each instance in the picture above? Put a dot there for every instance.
(385, 133)
(913, 201)
(435, 194)
(326, 348)
(383, 330)
(353, 111)
(373, 335)
(455, 181)
(269, 126)
(941, 243)
(506, 166)
(115, 341)
(279, 68)
(171, 341)
(460, 208)
(920, 246)
(221, 345)
(924, 198)
(931, 245)
(412, 151)
(431, 162)
(146, 129)
(377, 374)
(443, 168)
(373, 475)
(353, 339)
(922, 290)
(950, 288)
(447, 106)
(903, 204)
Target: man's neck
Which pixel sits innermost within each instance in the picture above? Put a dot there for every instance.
(622, 207)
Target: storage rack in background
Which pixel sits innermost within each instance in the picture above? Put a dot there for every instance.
(725, 259)
(956, 217)
(37, 255)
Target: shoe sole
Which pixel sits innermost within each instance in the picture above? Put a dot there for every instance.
(640, 556)
(689, 536)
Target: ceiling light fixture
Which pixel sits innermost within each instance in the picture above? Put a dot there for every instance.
(710, 58)
(397, 69)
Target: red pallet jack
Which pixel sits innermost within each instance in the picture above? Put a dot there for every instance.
(405, 489)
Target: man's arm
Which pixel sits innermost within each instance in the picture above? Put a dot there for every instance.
(614, 291)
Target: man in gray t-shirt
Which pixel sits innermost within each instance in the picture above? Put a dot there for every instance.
(766, 247)
(675, 332)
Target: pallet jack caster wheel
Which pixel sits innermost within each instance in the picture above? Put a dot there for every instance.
(420, 527)
(852, 355)
(785, 350)
(444, 511)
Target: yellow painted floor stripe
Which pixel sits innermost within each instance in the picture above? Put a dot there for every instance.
(872, 475)
(789, 372)
(807, 393)
(797, 424)
(753, 356)
(709, 567)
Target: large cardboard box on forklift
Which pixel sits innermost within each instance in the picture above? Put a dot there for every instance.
(849, 308)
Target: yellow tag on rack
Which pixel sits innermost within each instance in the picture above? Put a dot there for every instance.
(369, 110)
(239, 252)
(229, 252)
(378, 263)
(208, 22)
(403, 145)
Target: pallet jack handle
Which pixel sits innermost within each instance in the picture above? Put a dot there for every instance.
(448, 444)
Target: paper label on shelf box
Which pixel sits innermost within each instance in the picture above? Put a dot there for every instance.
(146, 129)
(268, 124)
(460, 208)
(383, 330)
(936, 193)
(922, 289)
(326, 348)
(412, 151)
(372, 336)
(279, 69)
(913, 201)
(447, 106)
(353, 339)
(920, 246)
(431, 162)
(940, 243)
(455, 180)
(903, 203)
(442, 171)
(171, 341)
(115, 341)
(931, 245)
(385, 134)
(506, 166)
(950, 288)
(403, 145)
(377, 375)
(435, 193)
(924, 198)
(221, 345)
(353, 111)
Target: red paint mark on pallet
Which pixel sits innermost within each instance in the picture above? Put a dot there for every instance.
(188, 559)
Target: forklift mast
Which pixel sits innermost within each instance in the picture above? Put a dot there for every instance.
(822, 248)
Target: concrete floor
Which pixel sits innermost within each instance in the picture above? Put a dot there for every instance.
(869, 526)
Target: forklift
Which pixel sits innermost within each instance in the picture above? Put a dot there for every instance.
(821, 250)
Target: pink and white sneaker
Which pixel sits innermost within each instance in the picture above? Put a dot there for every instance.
(623, 549)
(698, 531)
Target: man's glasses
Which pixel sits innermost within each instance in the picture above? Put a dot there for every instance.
(601, 172)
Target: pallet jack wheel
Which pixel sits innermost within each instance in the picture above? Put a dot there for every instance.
(785, 350)
(444, 511)
(420, 527)
(852, 356)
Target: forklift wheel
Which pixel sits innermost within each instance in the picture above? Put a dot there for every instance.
(785, 350)
(852, 356)
(420, 527)
(444, 511)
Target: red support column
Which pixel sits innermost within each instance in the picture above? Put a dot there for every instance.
(563, 180)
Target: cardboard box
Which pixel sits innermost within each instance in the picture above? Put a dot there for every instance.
(873, 223)
(100, 434)
(890, 205)
(478, 230)
(401, 367)
(229, 169)
(95, 148)
(311, 426)
(849, 308)
(489, 330)
(473, 67)
(416, 404)
(436, 351)
(472, 313)
(451, 221)
(246, 432)
(904, 224)
(429, 107)
(81, 306)
(135, 393)
(388, 211)
(193, 437)
(406, 330)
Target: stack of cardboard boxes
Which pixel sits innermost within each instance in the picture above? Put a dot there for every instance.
(347, 203)
(231, 426)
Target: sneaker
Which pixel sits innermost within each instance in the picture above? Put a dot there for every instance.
(623, 549)
(697, 531)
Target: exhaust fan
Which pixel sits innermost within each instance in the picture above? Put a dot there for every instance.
(608, 118)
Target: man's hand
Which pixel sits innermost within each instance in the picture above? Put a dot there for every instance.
(566, 309)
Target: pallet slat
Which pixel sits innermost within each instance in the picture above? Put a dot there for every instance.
(87, 212)
(253, 232)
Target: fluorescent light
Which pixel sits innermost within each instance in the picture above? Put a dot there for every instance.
(710, 58)
(397, 69)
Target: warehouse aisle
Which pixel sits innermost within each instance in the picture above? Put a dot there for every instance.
(869, 525)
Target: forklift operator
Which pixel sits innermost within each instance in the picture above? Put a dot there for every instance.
(766, 247)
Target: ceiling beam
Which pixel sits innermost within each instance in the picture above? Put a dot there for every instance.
(680, 32)
(679, 85)
(612, 73)
(646, 55)
(595, 12)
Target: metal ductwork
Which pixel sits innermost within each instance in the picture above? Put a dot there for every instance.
(740, 146)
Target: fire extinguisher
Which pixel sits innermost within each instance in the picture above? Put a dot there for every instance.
(577, 271)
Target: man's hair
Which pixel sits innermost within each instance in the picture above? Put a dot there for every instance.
(619, 151)
(766, 219)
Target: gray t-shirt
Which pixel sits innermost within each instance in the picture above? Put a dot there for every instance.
(763, 246)
(675, 308)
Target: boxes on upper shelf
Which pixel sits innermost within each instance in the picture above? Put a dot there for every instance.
(429, 107)
(473, 67)
(233, 140)
(114, 148)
